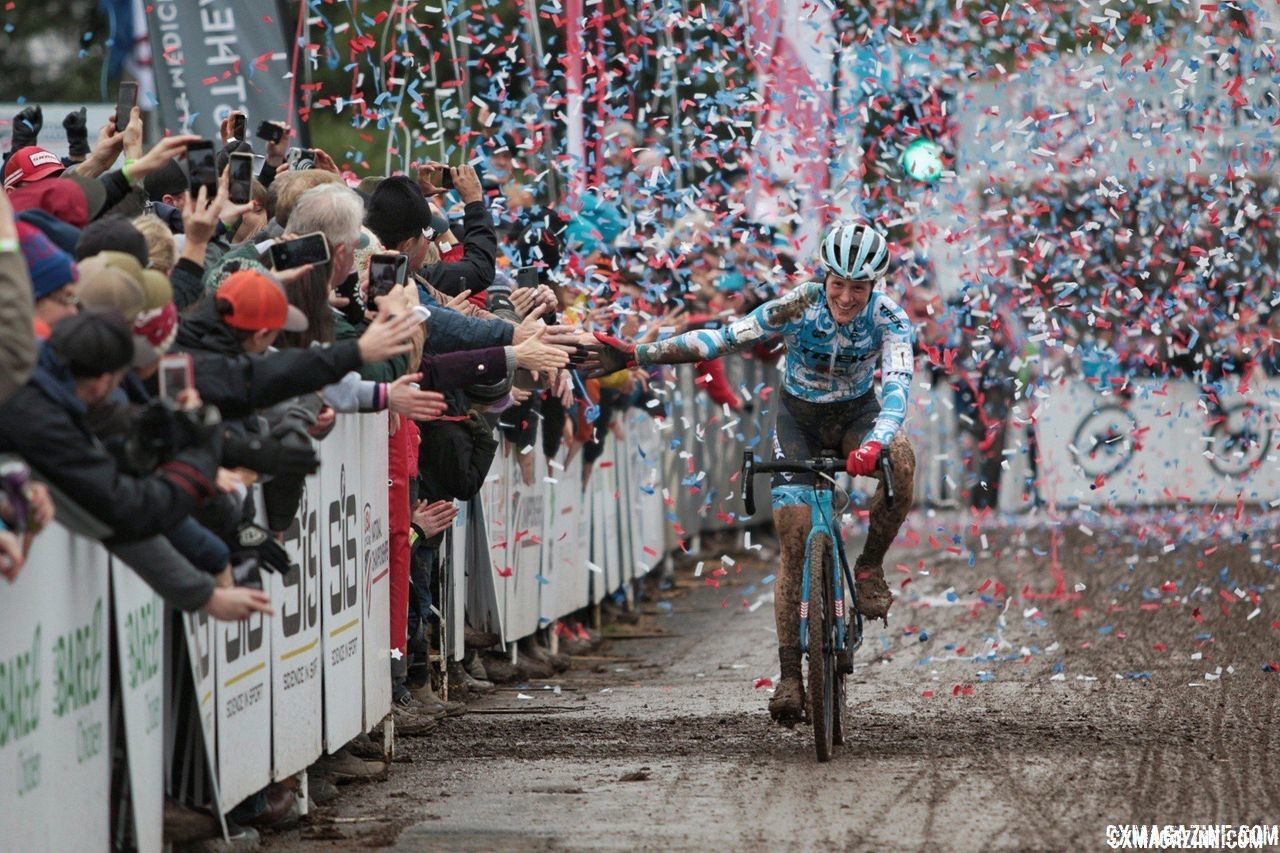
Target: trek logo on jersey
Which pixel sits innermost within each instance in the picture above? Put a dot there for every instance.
(887, 313)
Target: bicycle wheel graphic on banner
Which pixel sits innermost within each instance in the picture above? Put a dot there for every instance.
(1239, 441)
(1103, 443)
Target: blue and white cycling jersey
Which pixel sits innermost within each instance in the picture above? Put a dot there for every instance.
(826, 362)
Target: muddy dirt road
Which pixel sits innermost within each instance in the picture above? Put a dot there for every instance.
(983, 719)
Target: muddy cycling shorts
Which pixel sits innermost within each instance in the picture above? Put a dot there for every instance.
(805, 430)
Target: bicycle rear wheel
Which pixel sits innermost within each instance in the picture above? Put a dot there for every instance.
(822, 653)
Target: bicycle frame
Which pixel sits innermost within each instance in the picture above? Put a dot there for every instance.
(821, 505)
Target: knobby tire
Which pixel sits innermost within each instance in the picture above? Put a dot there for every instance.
(822, 659)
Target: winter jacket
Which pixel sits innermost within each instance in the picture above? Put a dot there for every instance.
(239, 383)
(454, 459)
(449, 330)
(187, 279)
(44, 422)
(17, 343)
(382, 371)
(475, 270)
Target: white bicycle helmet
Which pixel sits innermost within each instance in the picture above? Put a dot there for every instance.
(855, 250)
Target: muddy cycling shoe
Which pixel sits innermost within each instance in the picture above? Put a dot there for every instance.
(787, 705)
(874, 598)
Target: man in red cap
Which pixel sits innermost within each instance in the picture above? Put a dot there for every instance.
(230, 332)
(29, 164)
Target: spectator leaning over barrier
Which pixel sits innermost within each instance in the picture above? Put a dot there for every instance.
(230, 332)
(45, 422)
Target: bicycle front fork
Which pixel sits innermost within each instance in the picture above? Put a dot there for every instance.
(837, 593)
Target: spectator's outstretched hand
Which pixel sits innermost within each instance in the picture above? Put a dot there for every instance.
(27, 125)
(277, 151)
(77, 127)
(535, 354)
(523, 299)
(425, 175)
(200, 214)
(467, 183)
(160, 154)
(387, 337)
(131, 136)
(608, 355)
(325, 163)
(414, 403)
(435, 517)
(236, 603)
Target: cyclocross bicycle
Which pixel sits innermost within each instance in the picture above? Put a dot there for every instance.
(827, 638)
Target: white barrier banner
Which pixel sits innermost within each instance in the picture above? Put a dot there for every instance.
(607, 471)
(375, 566)
(340, 580)
(200, 632)
(495, 498)
(454, 548)
(243, 708)
(525, 550)
(597, 558)
(563, 556)
(645, 498)
(54, 666)
(140, 642)
(297, 717)
(1167, 443)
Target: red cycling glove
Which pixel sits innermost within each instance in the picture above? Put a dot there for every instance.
(615, 355)
(863, 461)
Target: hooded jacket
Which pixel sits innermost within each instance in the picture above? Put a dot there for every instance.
(475, 270)
(44, 422)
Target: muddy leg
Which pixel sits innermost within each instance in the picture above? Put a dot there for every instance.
(874, 597)
(792, 522)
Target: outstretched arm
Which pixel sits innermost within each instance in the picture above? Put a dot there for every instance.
(706, 344)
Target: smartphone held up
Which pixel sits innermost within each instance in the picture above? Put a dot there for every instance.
(310, 248)
(240, 177)
(385, 272)
(176, 377)
(126, 100)
(202, 168)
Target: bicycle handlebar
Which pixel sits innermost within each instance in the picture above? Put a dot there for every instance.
(828, 465)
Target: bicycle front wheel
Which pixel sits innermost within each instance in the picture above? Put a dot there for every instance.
(822, 650)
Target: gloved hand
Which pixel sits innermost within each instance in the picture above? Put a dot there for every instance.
(201, 428)
(608, 356)
(26, 127)
(272, 557)
(77, 129)
(268, 456)
(863, 461)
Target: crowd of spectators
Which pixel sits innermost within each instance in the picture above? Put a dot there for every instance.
(169, 359)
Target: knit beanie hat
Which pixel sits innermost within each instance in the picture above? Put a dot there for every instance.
(51, 268)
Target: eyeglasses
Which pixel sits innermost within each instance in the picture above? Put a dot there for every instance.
(68, 299)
